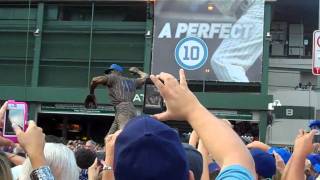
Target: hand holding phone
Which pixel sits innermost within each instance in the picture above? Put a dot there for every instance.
(316, 137)
(315, 124)
(15, 115)
(101, 155)
(94, 170)
(3, 113)
(32, 141)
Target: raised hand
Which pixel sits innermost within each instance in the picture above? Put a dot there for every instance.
(134, 70)
(110, 141)
(180, 101)
(4, 141)
(303, 144)
(2, 113)
(94, 170)
(280, 165)
(90, 101)
(32, 141)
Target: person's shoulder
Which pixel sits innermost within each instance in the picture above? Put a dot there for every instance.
(235, 172)
(124, 78)
(113, 76)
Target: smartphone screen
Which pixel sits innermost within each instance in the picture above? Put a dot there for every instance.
(101, 155)
(316, 138)
(15, 116)
(152, 97)
(153, 102)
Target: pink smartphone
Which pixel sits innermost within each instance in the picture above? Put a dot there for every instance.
(16, 113)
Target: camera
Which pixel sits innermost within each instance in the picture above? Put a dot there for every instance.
(36, 32)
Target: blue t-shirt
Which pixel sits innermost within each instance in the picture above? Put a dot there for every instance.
(235, 172)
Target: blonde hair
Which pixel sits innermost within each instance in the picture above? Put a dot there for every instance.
(61, 161)
(5, 171)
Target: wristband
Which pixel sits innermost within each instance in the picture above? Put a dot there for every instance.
(107, 168)
(42, 173)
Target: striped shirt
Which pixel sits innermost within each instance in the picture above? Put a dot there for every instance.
(122, 89)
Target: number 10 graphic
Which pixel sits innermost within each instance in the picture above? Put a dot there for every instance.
(191, 53)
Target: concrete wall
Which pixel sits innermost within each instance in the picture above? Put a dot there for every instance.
(284, 76)
(290, 63)
(297, 97)
(284, 131)
(279, 79)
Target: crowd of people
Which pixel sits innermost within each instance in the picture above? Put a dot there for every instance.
(147, 149)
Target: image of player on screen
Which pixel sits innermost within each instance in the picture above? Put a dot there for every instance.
(233, 58)
(153, 98)
(14, 116)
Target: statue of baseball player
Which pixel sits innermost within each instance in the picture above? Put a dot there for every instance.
(121, 91)
(235, 56)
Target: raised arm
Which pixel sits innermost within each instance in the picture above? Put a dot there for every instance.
(15, 159)
(205, 163)
(260, 145)
(194, 139)
(90, 101)
(303, 146)
(97, 81)
(142, 75)
(32, 141)
(221, 141)
(110, 140)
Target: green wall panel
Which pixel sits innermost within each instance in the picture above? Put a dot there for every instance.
(13, 13)
(105, 47)
(98, 27)
(17, 26)
(14, 74)
(63, 76)
(65, 57)
(65, 46)
(51, 12)
(13, 45)
(118, 47)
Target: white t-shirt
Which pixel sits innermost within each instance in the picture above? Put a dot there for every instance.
(16, 171)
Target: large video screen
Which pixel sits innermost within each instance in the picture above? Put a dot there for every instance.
(213, 40)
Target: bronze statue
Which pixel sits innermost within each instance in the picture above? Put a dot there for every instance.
(121, 91)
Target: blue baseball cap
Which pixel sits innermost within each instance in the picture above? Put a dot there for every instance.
(283, 152)
(314, 124)
(195, 160)
(114, 67)
(214, 167)
(265, 163)
(315, 161)
(149, 149)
